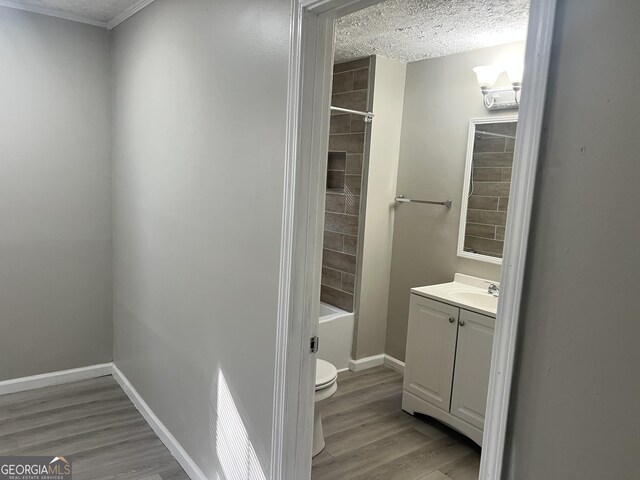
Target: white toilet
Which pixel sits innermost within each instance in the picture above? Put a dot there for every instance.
(326, 386)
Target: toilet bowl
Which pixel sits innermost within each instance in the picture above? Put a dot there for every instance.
(326, 386)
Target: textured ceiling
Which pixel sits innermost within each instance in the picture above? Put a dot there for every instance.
(412, 30)
(96, 10)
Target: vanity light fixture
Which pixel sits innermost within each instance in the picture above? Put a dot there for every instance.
(487, 76)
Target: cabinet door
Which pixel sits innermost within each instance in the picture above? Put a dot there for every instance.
(473, 362)
(431, 348)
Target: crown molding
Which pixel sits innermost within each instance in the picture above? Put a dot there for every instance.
(111, 24)
(52, 13)
(135, 8)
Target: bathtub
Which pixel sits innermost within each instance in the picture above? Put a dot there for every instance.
(336, 336)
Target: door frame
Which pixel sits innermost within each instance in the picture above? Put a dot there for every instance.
(309, 93)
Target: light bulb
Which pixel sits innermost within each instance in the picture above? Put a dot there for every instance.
(487, 75)
(515, 72)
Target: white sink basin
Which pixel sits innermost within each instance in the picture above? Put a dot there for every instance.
(476, 299)
(465, 292)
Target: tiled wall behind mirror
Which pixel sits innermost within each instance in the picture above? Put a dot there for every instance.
(489, 188)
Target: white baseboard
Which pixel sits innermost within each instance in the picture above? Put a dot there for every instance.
(54, 378)
(179, 453)
(376, 361)
(394, 363)
(365, 363)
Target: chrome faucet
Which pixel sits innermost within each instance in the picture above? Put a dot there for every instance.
(493, 290)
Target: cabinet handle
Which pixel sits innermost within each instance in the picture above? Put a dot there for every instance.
(462, 323)
(451, 319)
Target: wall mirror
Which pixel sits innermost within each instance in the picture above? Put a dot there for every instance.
(487, 182)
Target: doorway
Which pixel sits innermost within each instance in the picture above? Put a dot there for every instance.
(311, 69)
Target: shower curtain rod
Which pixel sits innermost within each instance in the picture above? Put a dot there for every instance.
(368, 116)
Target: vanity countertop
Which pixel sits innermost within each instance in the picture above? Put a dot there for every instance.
(465, 292)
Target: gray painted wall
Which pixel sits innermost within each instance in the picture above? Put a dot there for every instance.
(441, 96)
(55, 195)
(576, 399)
(200, 111)
(380, 188)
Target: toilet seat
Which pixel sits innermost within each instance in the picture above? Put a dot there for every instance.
(326, 374)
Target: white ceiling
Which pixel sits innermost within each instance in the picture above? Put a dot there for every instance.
(95, 12)
(407, 30)
(412, 30)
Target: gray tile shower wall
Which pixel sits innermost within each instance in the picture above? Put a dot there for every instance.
(344, 181)
(487, 209)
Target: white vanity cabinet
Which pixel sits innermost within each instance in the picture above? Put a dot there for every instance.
(447, 364)
(431, 349)
(473, 362)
